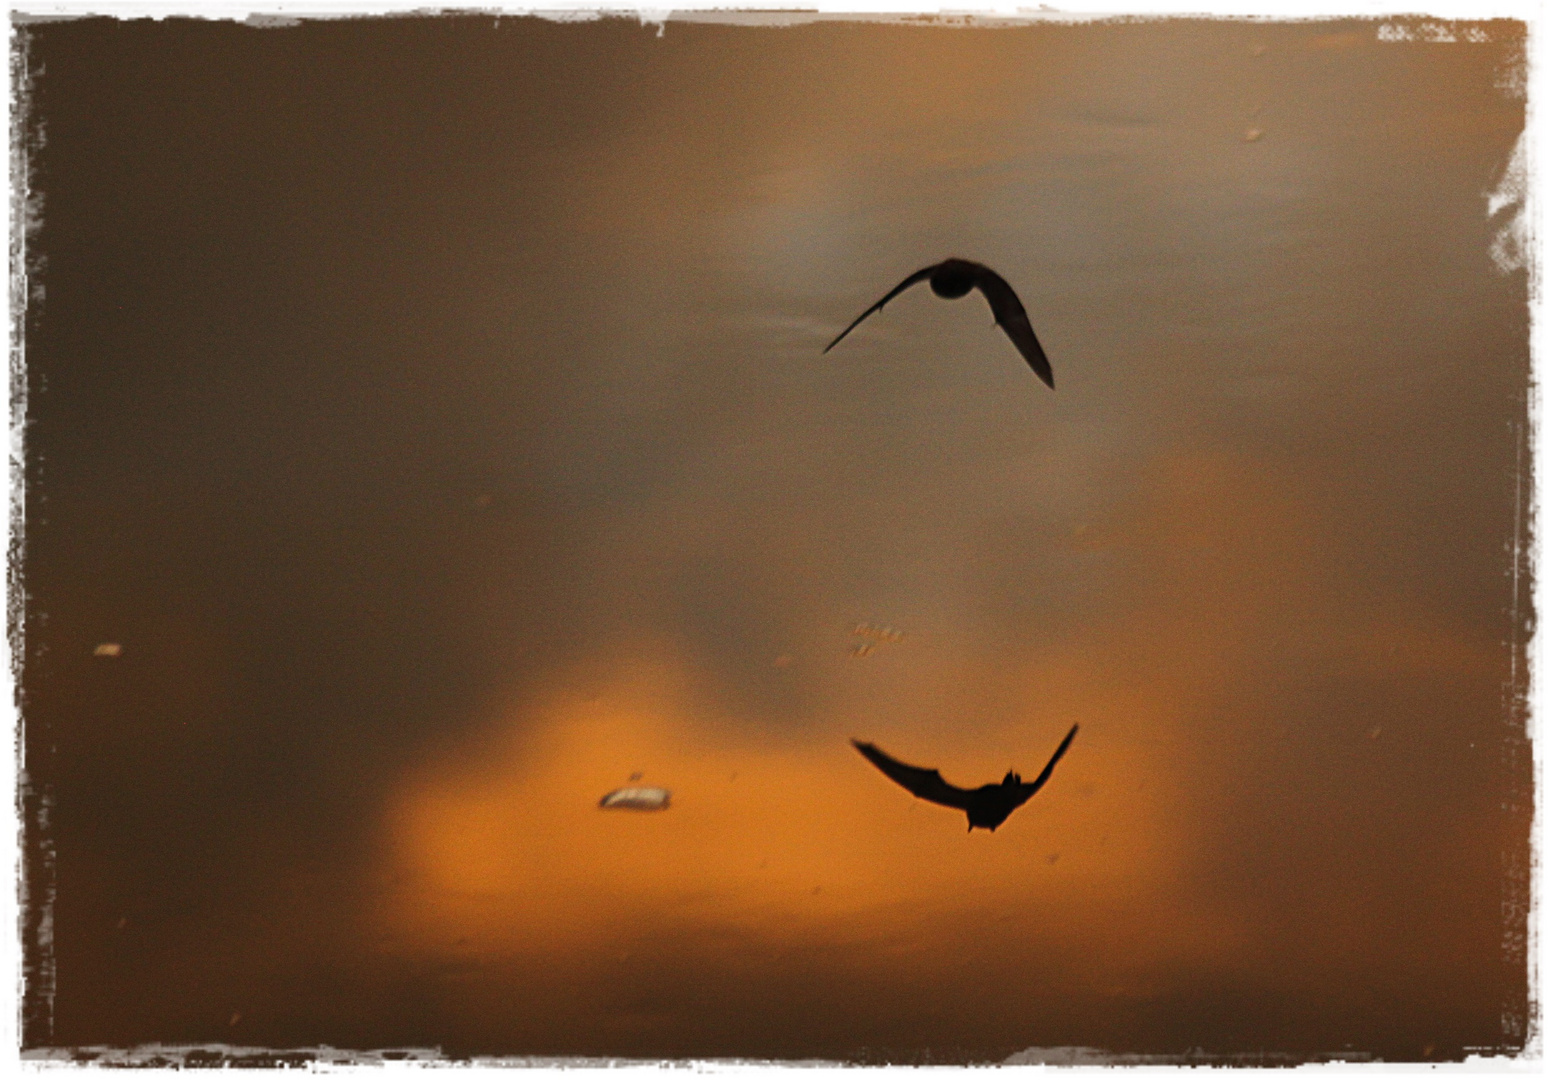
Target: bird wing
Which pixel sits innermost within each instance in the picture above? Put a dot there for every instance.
(1043, 777)
(924, 783)
(913, 279)
(1011, 317)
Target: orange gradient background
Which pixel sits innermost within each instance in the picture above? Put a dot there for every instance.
(434, 411)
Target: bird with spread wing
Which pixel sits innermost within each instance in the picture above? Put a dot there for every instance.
(957, 277)
(987, 806)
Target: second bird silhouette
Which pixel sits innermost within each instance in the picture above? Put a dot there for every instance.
(957, 277)
(987, 806)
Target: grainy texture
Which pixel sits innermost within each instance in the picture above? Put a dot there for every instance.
(433, 413)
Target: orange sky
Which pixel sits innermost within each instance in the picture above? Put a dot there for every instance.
(435, 413)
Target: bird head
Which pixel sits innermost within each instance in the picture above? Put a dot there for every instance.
(951, 282)
(1012, 779)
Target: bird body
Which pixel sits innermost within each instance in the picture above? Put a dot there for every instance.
(987, 806)
(955, 278)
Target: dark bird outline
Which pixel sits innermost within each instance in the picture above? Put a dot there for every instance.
(957, 277)
(987, 806)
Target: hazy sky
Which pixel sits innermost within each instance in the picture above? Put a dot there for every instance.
(434, 411)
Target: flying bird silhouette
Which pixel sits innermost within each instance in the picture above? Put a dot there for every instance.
(987, 806)
(955, 278)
